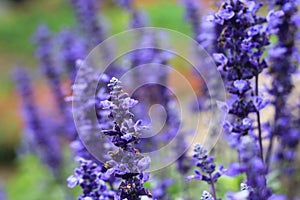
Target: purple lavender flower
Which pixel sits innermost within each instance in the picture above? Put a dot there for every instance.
(208, 172)
(45, 54)
(92, 180)
(45, 142)
(72, 50)
(192, 16)
(282, 65)
(254, 168)
(126, 161)
(86, 12)
(241, 28)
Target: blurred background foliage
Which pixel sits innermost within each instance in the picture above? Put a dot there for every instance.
(18, 21)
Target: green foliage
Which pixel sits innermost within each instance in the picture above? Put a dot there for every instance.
(33, 181)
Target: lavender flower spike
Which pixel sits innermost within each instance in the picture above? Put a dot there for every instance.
(126, 161)
(283, 61)
(208, 172)
(243, 42)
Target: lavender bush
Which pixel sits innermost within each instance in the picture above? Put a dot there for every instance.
(248, 47)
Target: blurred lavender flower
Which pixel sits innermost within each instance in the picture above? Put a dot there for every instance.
(86, 12)
(93, 32)
(72, 49)
(208, 172)
(2, 194)
(283, 61)
(44, 52)
(138, 19)
(192, 14)
(45, 142)
(254, 168)
(159, 191)
(85, 106)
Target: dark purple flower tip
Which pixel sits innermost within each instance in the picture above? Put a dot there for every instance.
(226, 12)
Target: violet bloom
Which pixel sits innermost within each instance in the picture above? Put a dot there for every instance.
(126, 161)
(40, 136)
(283, 61)
(93, 181)
(243, 41)
(86, 12)
(208, 172)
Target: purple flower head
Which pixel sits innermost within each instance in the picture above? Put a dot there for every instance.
(208, 172)
(282, 65)
(90, 177)
(126, 161)
(125, 131)
(72, 50)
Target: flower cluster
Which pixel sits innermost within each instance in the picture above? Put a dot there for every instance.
(254, 168)
(94, 183)
(243, 41)
(208, 172)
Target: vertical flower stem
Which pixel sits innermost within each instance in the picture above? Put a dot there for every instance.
(258, 122)
(269, 151)
(213, 189)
